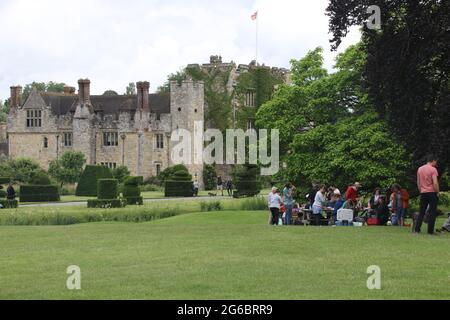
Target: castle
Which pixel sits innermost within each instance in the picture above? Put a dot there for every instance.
(133, 131)
(114, 130)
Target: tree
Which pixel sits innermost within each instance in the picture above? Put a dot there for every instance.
(178, 76)
(130, 89)
(110, 93)
(358, 148)
(120, 173)
(209, 177)
(42, 86)
(21, 170)
(246, 181)
(407, 69)
(316, 97)
(68, 168)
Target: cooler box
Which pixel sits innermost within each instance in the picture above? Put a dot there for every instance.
(345, 215)
(373, 222)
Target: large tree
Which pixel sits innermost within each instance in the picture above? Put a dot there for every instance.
(407, 69)
(42, 86)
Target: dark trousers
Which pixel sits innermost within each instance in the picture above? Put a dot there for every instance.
(427, 199)
(275, 215)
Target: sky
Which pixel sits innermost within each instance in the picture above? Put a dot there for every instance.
(114, 42)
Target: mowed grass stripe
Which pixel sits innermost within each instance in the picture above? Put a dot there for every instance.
(221, 255)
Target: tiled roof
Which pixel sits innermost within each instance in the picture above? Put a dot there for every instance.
(63, 104)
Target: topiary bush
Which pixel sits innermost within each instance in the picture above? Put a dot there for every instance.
(5, 180)
(107, 189)
(131, 190)
(209, 177)
(87, 186)
(2, 194)
(246, 181)
(179, 184)
(40, 178)
(37, 193)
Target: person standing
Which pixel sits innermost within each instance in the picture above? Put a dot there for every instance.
(229, 186)
(288, 200)
(195, 187)
(10, 192)
(397, 203)
(274, 201)
(428, 185)
(318, 205)
(220, 184)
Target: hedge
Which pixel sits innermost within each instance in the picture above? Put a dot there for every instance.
(178, 189)
(5, 180)
(134, 201)
(131, 191)
(108, 203)
(2, 194)
(107, 189)
(8, 204)
(87, 186)
(36, 193)
(133, 181)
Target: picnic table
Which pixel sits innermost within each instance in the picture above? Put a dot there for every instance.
(308, 216)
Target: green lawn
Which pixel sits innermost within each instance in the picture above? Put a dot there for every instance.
(221, 255)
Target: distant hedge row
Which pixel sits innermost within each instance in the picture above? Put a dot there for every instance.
(36, 193)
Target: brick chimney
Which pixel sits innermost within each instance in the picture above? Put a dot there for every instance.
(142, 95)
(84, 91)
(16, 96)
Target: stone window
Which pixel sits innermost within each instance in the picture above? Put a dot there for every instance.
(45, 142)
(111, 165)
(34, 118)
(110, 139)
(159, 141)
(250, 125)
(68, 139)
(250, 99)
(158, 116)
(158, 168)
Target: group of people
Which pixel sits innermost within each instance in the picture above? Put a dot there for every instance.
(228, 185)
(390, 207)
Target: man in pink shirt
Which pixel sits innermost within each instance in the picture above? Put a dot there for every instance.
(427, 182)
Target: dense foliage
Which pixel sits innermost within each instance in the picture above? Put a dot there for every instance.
(39, 193)
(68, 168)
(246, 180)
(107, 189)
(209, 177)
(178, 184)
(21, 170)
(407, 69)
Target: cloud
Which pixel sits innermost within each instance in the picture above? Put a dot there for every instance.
(117, 42)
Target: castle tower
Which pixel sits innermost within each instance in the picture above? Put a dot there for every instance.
(142, 118)
(187, 108)
(83, 133)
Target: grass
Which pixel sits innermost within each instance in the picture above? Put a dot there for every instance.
(220, 255)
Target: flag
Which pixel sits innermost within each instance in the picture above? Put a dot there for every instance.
(255, 15)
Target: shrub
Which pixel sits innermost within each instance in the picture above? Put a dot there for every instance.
(209, 177)
(5, 180)
(120, 173)
(9, 204)
(87, 186)
(178, 189)
(107, 189)
(132, 201)
(40, 178)
(106, 203)
(2, 194)
(134, 181)
(131, 191)
(211, 206)
(246, 181)
(36, 193)
(168, 172)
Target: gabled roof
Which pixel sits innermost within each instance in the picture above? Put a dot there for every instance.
(62, 104)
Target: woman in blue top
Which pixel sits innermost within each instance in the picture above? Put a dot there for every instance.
(288, 200)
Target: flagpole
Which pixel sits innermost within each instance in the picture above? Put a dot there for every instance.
(256, 42)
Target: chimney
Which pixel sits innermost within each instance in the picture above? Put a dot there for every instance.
(142, 95)
(84, 91)
(16, 96)
(69, 90)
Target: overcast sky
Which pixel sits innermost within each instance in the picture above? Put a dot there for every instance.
(114, 42)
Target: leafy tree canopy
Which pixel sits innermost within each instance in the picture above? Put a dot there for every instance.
(68, 168)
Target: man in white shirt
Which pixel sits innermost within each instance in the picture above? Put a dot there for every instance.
(274, 202)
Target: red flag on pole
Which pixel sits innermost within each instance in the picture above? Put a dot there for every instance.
(254, 16)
